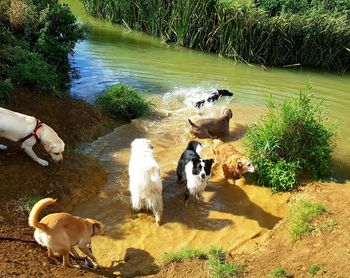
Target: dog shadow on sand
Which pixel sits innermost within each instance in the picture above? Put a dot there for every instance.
(224, 198)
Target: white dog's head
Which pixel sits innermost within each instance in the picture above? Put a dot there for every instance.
(55, 149)
(141, 144)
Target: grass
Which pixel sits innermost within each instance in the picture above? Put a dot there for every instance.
(26, 203)
(302, 215)
(185, 254)
(218, 266)
(314, 269)
(124, 102)
(278, 272)
(239, 29)
(290, 141)
(328, 225)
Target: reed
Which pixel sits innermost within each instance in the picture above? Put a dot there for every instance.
(238, 30)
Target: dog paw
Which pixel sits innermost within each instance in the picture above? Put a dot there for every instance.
(3, 147)
(43, 162)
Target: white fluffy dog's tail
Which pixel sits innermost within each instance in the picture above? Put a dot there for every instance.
(154, 201)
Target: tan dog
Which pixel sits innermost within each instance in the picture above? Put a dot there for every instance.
(211, 127)
(233, 163)
(28, 130)
(60, 232)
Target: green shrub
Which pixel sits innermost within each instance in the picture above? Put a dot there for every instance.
(218, 265)
(314, 269)
(291, 140)
(6, 89)
(185, 254)
(301, 217)
(278, 272)
(124, 102)
(26, 68)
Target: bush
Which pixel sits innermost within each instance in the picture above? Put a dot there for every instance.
(6, 89)
(124, 102)
(26, 68)
(291, 140)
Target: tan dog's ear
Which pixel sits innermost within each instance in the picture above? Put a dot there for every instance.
(98, 228)
(47, 147)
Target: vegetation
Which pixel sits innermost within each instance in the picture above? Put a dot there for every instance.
(218, 265)
(269, 32)
(35, 40)
(291, 140)
(123, 101)
(185, 254)
(219, 268)
(302, 215)
(314, 269)
(26, 203)
(278, 272)
(6, 89)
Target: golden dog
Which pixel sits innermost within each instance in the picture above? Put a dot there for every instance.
(29, 130)
(60, 232)
(212, 127)
(233, 163)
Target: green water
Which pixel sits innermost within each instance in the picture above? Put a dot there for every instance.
(113, 54)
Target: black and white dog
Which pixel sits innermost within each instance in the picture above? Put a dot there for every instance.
(214, 97)
(196, 170)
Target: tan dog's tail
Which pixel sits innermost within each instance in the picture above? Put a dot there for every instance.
(192, 124)
(33, 219)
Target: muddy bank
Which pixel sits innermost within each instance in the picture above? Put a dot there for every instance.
(328, 248)
(75, 180)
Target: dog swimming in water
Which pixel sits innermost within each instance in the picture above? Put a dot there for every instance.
(214, 97)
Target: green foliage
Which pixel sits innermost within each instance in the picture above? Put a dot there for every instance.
(239, 29)
(301, 218)
(314, 269)
(6, 89)
(218, 265)
(26, 203)
(124, 102)
(43, 32)
(27, 68)
(185, 254)
(289, 141)
(278, 272)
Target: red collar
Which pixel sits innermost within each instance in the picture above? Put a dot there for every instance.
(34, 132)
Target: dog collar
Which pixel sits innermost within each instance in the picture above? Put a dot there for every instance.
(34, 132)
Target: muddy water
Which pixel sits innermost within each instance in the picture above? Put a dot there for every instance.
(176, 78)
(229, 215)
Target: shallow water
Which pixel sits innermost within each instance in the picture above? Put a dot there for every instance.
(176, 78)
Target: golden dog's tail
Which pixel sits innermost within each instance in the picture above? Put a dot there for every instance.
(33, 219)
(192, 124)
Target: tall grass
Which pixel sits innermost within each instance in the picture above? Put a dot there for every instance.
(237, 30)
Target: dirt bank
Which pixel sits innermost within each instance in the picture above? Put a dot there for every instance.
(328, 246)
(73, 181)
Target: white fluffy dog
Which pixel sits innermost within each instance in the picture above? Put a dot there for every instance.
(145, 182)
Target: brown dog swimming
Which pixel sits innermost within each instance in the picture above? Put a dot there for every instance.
(233, 163)
(60, 232)
(212, 127)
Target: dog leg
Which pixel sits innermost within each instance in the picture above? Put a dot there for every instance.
(136, 202)
(3, 147)
(86, 250)
(29, 151)
(76, 255)
(52, 256)
(66, 262)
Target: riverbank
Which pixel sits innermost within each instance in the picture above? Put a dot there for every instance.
(242, 30)
(22, 181)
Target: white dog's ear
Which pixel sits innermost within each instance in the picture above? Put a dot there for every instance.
(49, 146)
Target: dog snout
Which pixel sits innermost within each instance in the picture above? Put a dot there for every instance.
(203, 176)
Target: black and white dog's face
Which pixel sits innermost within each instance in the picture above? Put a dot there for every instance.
(202, 168)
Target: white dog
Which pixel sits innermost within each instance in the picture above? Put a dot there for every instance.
(29, 130)
(145, 182)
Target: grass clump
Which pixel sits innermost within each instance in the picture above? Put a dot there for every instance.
(278, 272)
(291, 140)
(187, 253)
(6, 89)
(218, 265)
(314, 269)
(26, 203)
(302, 215)
(124, 102)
